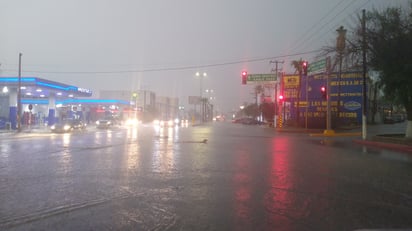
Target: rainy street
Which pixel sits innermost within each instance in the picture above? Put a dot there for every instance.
(218, 176)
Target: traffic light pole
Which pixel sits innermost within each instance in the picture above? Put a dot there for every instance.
(364, 45)
(276, 62)
(307, 102)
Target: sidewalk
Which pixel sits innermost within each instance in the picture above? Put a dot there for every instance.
(407, 148)
(387, 136)
(26, 132)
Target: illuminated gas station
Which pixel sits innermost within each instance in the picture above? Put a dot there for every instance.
(39, 99)
(44, 102)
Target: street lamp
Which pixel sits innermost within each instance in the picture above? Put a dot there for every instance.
(209, 93)
(340, 41)
(201, 81)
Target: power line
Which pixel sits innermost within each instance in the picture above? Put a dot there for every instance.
(172, 68)
(302, 38)
(317, 32)
(344, 21)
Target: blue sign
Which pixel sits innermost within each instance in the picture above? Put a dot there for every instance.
(346, 100)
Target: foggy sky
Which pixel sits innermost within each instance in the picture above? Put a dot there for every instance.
(159, 45)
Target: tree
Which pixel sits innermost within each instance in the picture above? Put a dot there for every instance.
(389, 37)
(389, 53)
(297, 64)
(252, 110)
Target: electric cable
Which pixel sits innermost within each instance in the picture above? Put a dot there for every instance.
(170, 68)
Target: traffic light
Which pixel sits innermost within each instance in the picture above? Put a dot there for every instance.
(305, 68)
(323, 92)
(244, 77)
(280, 97)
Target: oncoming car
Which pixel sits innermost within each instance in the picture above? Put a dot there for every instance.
(67, 126)
(163, 123)
(107, 122)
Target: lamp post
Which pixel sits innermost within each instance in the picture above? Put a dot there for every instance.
(201, 76)
(209, 113)
(19, 97)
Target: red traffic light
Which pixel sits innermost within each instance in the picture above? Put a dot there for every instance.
(244, 77)
(323, 92)
(305, 67)
(280, 97)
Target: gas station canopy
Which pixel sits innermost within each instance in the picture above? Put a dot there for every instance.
(33, 87)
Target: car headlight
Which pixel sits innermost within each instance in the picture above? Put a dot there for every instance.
(97, 122)
(66, 127)
(53, 127)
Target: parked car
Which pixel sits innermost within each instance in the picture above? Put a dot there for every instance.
(68, 126)
(388, 120)
(395, 118)
(247, 121)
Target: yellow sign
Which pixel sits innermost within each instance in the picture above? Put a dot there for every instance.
(290, 81)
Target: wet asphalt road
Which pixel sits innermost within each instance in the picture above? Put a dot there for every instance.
(242, 178)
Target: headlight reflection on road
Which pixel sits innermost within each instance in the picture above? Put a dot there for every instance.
(164, 158)
(109, 136)
(132, 133)
(132, 150)
(5, 150)
(66, 139)
(65, 159)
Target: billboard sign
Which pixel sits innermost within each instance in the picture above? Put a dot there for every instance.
(193, 100)
(345, 93)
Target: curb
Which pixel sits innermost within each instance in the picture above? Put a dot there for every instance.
(297, 130)
(391, 146)
(336, 134)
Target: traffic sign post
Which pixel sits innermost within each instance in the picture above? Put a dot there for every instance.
(317, 67)
(261, 77)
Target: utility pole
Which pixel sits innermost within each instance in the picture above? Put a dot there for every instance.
(340, 47)
(364, 120)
